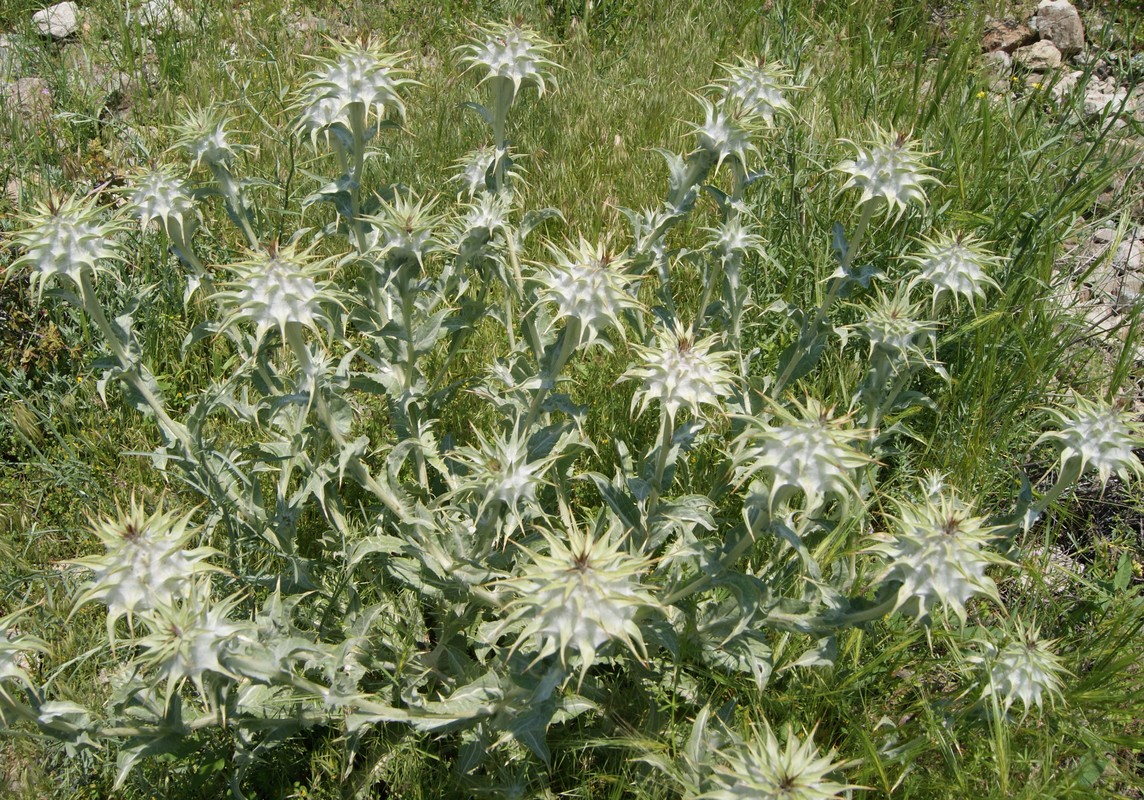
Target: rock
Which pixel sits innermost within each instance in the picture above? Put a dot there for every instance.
(1059, 21)
(9, 57)
(59, 21)
(31, 98)
(1097, 100)
(1066, 84)
(1005, 36)
(159, 17)
(999, 63)
(1038, 57)
(1104, 235)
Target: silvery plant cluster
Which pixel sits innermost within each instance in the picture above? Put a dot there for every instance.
(471, 578)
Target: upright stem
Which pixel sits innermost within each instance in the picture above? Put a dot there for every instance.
(569, 338)
(130, 369)
(357, 130)
(810, 333)
(666, 432)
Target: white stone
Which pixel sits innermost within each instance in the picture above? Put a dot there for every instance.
(59, 21)
(1058, 20)
(158, 17)
(1038, 57)
(1096, 101)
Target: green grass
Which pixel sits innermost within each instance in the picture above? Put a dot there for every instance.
(1016, 170)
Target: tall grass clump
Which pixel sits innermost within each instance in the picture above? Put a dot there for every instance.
(737, 485)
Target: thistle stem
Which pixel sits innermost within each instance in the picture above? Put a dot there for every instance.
(131, 371)
(569, 338)
(667, 431)
(809, 334)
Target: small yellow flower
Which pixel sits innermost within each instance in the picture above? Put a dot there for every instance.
(981, 94)
(1036, 86)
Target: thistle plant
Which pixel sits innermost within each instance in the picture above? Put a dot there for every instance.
(955, 267)
(810, 453)
(1025, 669)
(1092, 435)
(580, 595)
(410, 519)
(148, 563)
(938, 554)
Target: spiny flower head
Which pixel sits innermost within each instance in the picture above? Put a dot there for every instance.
(735, 235)
(278, 287)
(407, 228)
(954, 265)
(146, 563)
(763, 769)
(811, 453)
(361, 77)
(486, 216)
(890, 168)
(191, 637)
(588, 284)
(892, 326)
(473, 170)
(160, 195)
(1025, 669)
(726, 133)
(939, 554)
(581, 594)
(203, 136)
(1100, 437)
(512, 52)
(680, 372)
(66, 239)
(758, 89)
(500, 471)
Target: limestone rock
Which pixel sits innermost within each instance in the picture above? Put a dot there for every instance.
(159, 17)
(1006, 35)
(59, 21)
(30, 98)
(1059, 21)
(1038, 57)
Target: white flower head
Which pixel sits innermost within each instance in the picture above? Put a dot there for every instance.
(66, 239)
(1025, 669)
(726, 134)
(146, 564)
(279, 287)
(512, 52)
(890, 168)
(758, 89)
(1100, 437)
(939, 554)
(681, 372)
(500, 472)
(486, 216)
(892, 326)
(159, 195)
(582, 594)
(736, 234)
(811, 453)
(473, 170)
(360, 79)
(407, 228)
(763, 769)
(191, 638)
(956, 266)
(205, 139)
(589, 285)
